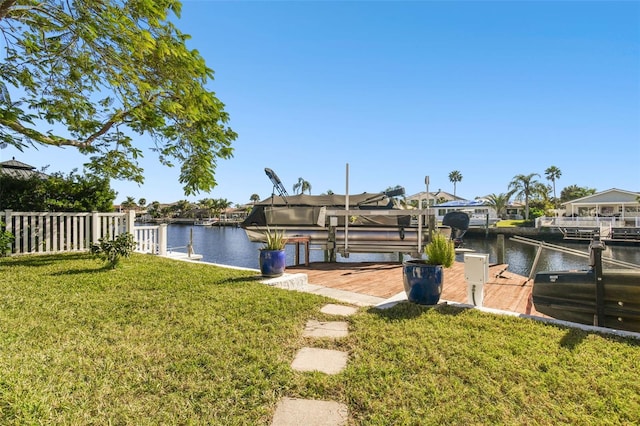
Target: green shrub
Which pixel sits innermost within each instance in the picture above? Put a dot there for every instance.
(535, 213)
(112, 250)
(440, 251)
(6, 238)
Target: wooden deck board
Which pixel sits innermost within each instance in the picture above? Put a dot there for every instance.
(504, 290)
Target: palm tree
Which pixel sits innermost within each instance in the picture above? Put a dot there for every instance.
(553, 173)
(255, 198)
(207, 204)
(302, 186)
(181, 208)
(499, 202)
(142, 202)
(455, 177)
(129, 203)
(220, 205)
(524, 186)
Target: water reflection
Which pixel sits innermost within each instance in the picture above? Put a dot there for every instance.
(230, 246)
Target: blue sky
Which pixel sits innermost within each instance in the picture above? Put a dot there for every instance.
(402, 90)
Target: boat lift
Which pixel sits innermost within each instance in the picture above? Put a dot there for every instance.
(277, 184)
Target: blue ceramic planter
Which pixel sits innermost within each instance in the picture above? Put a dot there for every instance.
(422, 282)
(272, 262)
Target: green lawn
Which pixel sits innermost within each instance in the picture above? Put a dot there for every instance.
(158, 341)
(511, 223)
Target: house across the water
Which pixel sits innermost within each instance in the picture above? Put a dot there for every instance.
(614, 214)
(479, 211)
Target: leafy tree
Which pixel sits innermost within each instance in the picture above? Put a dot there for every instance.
(105, 70)
(455, 177)
(57, 193)
(167, 211)
(553, 173)
(302, 186)
(524, 186)
(23, 194)
(154, 209)
(254, 198)
(540, 200)
(573, 192)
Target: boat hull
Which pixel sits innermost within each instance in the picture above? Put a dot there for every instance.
(571, 296)
(359, 239)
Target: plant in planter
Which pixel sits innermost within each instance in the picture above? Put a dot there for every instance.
(272, 254)
(422, 278)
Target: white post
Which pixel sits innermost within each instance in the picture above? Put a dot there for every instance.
(162, 240)
(131, 221)
(426, 182)
(346, 215)
(95, 227)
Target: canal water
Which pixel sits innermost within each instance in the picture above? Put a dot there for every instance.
(227, 245)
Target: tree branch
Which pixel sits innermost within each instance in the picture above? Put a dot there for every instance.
(5, 5)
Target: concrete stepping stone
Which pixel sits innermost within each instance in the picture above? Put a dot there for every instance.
(309, 412)
(331, 329)
(323, 360)
(333, 309)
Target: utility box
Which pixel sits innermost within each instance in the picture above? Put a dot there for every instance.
(476, 273)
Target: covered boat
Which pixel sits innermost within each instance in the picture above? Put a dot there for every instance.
(372, 223)
(361, 223)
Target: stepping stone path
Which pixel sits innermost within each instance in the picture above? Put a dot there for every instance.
(333, 329)
(308, 412)
(323, 360)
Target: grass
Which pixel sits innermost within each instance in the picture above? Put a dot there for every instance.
(513, 223)
(163, 342)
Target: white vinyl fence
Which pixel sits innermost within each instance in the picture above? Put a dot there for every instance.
(47, 232)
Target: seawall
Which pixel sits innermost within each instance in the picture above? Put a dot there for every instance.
(535, 233)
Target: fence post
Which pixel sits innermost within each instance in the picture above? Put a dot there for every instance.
(131, 221)
(95, 227)
(162, 240)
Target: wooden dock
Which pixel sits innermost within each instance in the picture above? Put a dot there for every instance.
(504, 290)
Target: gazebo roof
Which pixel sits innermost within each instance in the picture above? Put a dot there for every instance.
(19, 170)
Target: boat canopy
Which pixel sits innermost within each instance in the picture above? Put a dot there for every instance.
(366, 199)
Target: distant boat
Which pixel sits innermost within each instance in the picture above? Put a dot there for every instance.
(205, 222)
